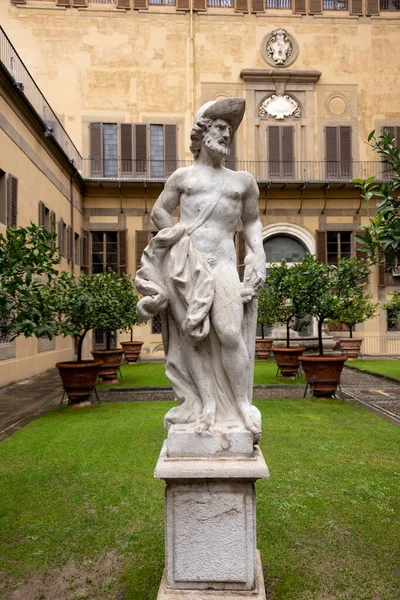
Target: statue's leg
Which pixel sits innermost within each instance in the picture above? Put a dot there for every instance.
(199, 360)
(227, 317)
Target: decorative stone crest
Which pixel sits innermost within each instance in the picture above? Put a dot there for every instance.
(279, 48)
(280, 106)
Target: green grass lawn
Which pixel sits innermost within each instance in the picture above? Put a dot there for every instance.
(153, 375)
(391, 368)
(81, 516)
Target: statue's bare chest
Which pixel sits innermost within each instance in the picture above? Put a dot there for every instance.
(222, 194)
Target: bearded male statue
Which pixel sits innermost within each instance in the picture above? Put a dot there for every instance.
(189, 276)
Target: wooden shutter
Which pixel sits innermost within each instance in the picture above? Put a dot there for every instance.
(381, 271)
(320, 239)
(345, 151)
(199, 5)
(230, 162)
(85, 239)
(331, 151)
(53, 220)
(361, 254)
(182, 4)
(96, 149)
(140, 4)
(240, 243)
(69, 242)
(141, 150)
(170, 149)
(274, 153)
(299, 6)
(241, 6)
(257, 6)
(124, 4)
(42, 210)
(372, 7)
(141, 241)
(356, 7)
(12, 201)
(60, 238)
(395, 133)
(287, 152)
(126, 148)
(315, 7)
(122, 251)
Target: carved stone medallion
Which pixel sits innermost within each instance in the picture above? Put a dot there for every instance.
(279, 106)
(279, 48)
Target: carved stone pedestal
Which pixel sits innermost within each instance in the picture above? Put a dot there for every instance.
(210, 523)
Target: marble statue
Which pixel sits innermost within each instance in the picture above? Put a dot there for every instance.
(189, 276)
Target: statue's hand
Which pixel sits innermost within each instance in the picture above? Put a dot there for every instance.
(254, 273)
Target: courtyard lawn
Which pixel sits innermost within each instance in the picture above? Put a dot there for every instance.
(153, 375)
(81, 516)
(390, 368)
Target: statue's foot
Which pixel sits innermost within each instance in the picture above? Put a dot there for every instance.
(206, 421)
(252, 419)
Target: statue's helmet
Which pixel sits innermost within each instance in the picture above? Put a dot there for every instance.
(230, 110)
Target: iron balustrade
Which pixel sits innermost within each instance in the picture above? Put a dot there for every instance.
(263, 171)
(220, 3)
(23, 81)
(162, 2)
(334, 5)
(284, 4)
(390, 5)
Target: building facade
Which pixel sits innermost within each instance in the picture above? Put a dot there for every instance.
(125, 78)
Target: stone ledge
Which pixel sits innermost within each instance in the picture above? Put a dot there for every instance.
(247, 468)
(258, 593)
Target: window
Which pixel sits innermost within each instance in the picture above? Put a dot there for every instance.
(394, 131)
(393, 322)
(156, 325)
(104, 251)
(281, 247)
(47, 219)
(100, 340)
(12, 201)
(390, 5)
(280, 151)
(278, 4)
(3, 197)
(334, 5)
(77, 249)
(62, 238)
(122, 150)
(338, 152)
(338, 245)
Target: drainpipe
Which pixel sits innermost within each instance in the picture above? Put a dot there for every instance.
(71, 201)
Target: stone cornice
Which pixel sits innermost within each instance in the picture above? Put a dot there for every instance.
(280, 75)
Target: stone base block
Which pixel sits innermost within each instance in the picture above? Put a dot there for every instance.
(258, 593)
(184, 441)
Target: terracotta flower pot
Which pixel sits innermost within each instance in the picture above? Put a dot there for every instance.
(79, 379)
(132, 350)
(323, 372)
(263, 347)
(111, 360)
(287, 359)
(351, 347)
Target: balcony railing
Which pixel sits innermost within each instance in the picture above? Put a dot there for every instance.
(263, 171)
(334, 5)
(285, 4)
(390, 5)
(12, 63)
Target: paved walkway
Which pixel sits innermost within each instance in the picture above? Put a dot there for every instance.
(24, 401)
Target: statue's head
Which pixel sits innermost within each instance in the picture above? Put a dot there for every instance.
(215, 125)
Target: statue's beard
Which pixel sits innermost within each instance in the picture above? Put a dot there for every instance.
(215, 147)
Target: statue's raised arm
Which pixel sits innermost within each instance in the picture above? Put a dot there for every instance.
(189, 275)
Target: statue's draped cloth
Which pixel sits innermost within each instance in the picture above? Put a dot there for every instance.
(176, 282)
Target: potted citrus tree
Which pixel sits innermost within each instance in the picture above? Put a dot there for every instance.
(283, 282)
(266, 311)
(322, 291)
(28, 264)
(353, 309)
(115, 311)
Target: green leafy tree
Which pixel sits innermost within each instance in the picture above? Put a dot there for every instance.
(356, 308)
(381, 237)
(323, 288)
(267, 309)
(393, 305)
(28, 261)
(283, 285)
(103, 301)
